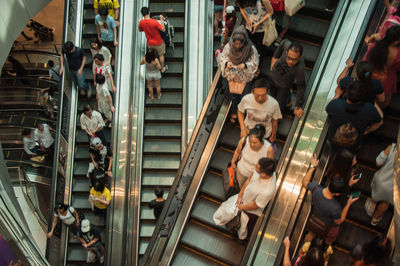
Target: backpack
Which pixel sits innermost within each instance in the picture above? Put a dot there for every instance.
(345, 136)
(169, 32)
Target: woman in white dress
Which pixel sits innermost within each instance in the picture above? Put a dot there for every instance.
(97, 47)
(104, 99)
(100, 67)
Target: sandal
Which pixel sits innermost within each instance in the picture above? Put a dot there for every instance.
(369, 207)
(165, 69)
(375, 221)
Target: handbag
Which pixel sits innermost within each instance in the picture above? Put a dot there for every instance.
(231, 185)
(91, 256)
(234, 224)
(270, 32)
(292, 6)
(317, 226)
(236, 87)
(277, 5)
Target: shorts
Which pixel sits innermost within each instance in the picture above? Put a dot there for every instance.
(159, 48)
(218, 8)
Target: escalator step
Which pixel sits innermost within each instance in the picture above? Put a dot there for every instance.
(178, 23)
(162, 146)
(146, 213)
(81, 184)
(220, 159)
(177, 53)
(395, 104)
(213, 186)
(71, 239)
(148, 194)
(89, 15)
(203, 212)
(81, 168)
(97, 220)
(161, 162)
(306, 25)
(284, 127)
(370, 150)
(230, 137)
(163, 114)
(147, 228)
(170, 9)
(168, 99)
(339, 258)
(80, 201)
(89, 30)
(388, 130)
(150, 178)
(171, 83)
(213, 244)
(186, 257)
(82, 153)
(351, 235)
(143, 246)
(166, 130)
(76, 253)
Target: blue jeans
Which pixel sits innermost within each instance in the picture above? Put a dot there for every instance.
(80, 80)
(96, 248)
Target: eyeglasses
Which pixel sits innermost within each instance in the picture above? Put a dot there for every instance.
(292, 59)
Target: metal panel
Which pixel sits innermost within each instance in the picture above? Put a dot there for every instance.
(396, 205)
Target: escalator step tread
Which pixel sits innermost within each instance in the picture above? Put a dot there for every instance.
(307, 25)
(213, 186)
(148, 194)
(161, 162)
(163, 114)
(89, 29)
(162, 129)
(220, 159)
(351, 235)
(81, 168)
(146, 213)
(279, 148)
(97, 220)
(186, 257)
(168, 98)
(81, 184)
(89, 15)
(173, 54)
(171, 83)
(204, 210)
(213, 244)
(82, 153)
(364, 185)
(338, 258)
(158, 178)
(395, 103)
(230, 137)
(388, 130)
(76, 253)
(284, 126)
(167, 7)
(178, 23)
(162, 146)
(147, 228)
(80, 201)
(143, 246)
(370, 150)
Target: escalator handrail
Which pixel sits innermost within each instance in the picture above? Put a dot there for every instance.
(318, 147)
(35, 52)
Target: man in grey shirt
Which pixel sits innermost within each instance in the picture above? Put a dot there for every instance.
(287, 66)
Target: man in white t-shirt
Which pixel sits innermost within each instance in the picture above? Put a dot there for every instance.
(92, 123)
(259, 108)
(257, 191)
(43, 136)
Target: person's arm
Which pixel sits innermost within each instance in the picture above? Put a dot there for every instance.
(83, 242)
(112, 81)
(248, 206)
(98, 33)
(345, 210)
(273, 61)
(114, 26)
(239, 200)
(93, 161)
(80, 71)
(286, 258)
(84, 126)
(243, 131)
(387, 5)
(307, 178)
(61, 64)
(373, 127)
(51, 129)
(76, 218)
(143, 61)
(237, 153)
(108, 55)
(380, 98)
(270, 152)
(270, 12)
(158, 65)
(277, 54)
(106, 202)
(94, 241)
(162, 23)
(274, 128)
(53, 226)
(26, 148)
(100, 121)
(111, 103)
(244, 15)
(116, 11)
(382, 157)
(345, 71)
(109, 167)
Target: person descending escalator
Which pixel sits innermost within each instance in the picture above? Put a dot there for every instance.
(90, 238)
(158, 203)
(69, 216)
(107, 31)
(314, 253)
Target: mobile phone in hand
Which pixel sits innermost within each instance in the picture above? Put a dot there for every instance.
(357, 176)
(355, 194)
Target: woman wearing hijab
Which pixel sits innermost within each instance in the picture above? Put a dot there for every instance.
(239, 63)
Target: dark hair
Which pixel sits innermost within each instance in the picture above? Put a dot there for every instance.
(337, 185)
(246, 3)
(50, 63)
(103, 11)
(99, 186)
(314, 257)
(341, 166)
(99, 57)
(354, 92)
(61, 206)
(267, 166)
(379, 53)
(364, 73)
(26, 132)
(145, 11)
(68, 46)
(260, 82)
(11, 59)
(151, 55)
(297, 48)
(87, 108)
(95, 40)
(100, 79)
(258, 131)
(377, 251)
(231, 16)
(159, 192)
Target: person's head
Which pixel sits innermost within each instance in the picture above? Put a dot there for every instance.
(50, 63)
(260, 89)
(103, 12)
(230, 13)
(95, 43)
(151, 55)
(293, 54)
(364, 74)
(85, 226)
(354, 92)
(97, 144)
(99, 186)
(145, 11)
(40, 127)
(342, 165)
(159, 192)
(314, 257)
(26, 133)
(246, 3)
(10, 59)
(87, 110)
(98, 59)
(337, 186)
(239, 37)
(100, 79)
(256, 136)
(377, 251)
(60, 208)
(379, 53)
(69, 47)
(265, 167)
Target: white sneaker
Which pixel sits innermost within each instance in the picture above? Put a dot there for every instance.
(102, 259)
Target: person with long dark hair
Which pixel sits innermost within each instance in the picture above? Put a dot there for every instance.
(342, 166)
(384, 57)
(96, 47)
(68, 215)
(153, 72)
(314, 253)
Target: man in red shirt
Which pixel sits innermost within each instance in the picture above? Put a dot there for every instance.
(152, 29)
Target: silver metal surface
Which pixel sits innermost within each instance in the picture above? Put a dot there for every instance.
(396, 205)
(308, 133)
(187, 204)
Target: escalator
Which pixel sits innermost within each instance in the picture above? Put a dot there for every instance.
(76, 254)
(161, 152)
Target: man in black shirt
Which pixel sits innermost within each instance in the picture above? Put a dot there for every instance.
(91, 239)
(287, 66)
(101, 156)
(76, 62)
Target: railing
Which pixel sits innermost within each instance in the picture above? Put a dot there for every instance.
(336, 49)
(396, 196)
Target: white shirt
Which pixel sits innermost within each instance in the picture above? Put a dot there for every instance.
(68, 218)
(257, 113)
(259, 190)
(92, 123)
(44, 137)
(250, 158)
(29, 143)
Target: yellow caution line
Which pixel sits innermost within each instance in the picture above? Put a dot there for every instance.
(9, 120)
(362, 226)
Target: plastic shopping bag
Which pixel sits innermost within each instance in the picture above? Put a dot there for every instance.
(292, 6)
